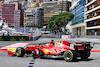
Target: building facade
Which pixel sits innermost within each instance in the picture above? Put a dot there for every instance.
(40, 17)
(12, 14)
(77, 24)
(18, 18)
(22, 2)
(54, 7)
(29, 17)
(92, 17)
(1, 2)
(34, 16)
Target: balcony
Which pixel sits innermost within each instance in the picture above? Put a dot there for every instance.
(89, 2)
(93, 27)
(91, 18)
(93, 7)
(93, 14)
(93, 23)
(96, 7)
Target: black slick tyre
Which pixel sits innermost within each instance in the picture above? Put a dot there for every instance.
(69, 55)
(86, 55)
(20, 52)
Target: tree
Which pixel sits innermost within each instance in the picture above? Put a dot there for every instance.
(45, 23)
(21, 26)
(57, 21)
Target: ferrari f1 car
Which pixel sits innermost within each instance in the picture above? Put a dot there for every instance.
(69, 51)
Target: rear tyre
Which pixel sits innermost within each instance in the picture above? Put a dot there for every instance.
(69, 55)
(86, 55)
(20, 52)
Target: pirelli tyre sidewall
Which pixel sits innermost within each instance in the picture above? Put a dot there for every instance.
(69, 55)
(20, 52)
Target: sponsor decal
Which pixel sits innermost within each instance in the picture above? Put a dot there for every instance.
(11, 49)
(51, 51)
(46, 51)
(12, 39)
(22, 39)
(37, 51)
(1, 39)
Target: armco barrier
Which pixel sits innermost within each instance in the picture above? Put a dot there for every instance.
(14, 38)
(36, 38)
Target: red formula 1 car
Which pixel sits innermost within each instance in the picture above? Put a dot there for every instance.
(59, 48)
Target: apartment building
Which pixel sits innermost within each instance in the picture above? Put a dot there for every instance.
(22, 2)
(92, 17)
(77, 24)
(12, 13)
(1, 2)
(34, 16)
(54, 7)
(29, 17)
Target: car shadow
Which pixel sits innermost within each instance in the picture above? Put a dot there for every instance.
(77, 60)
(62, 59)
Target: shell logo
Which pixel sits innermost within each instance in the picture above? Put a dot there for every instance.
(51, 51)
(46, 51)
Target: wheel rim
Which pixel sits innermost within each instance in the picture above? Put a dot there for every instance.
(68, 56)
(17, 52)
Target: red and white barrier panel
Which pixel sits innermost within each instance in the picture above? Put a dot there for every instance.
(67, 36)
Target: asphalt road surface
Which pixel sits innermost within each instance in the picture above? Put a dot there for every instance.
(9, 61)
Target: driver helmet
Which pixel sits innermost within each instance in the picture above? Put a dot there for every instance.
(52, 42)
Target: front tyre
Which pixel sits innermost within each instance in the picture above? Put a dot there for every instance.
(20, 52)
(69, 55)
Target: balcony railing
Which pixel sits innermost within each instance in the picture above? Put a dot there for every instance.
(92, 16)
(88, 2)
(93, 7)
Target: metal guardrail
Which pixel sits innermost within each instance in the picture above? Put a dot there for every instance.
(45, 31)
(54, 35)
(92, 36)
(88, 36)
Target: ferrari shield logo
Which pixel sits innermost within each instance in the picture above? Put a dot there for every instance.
(46, 51)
